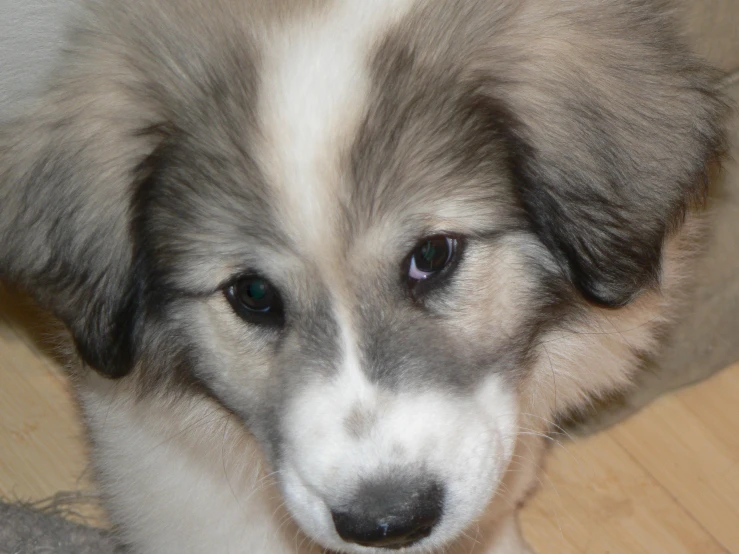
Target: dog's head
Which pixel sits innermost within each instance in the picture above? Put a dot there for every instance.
(359, 225)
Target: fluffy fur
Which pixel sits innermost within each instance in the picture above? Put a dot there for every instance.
(182, 144)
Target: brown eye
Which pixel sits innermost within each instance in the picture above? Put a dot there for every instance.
(431, 256)
(254, 299)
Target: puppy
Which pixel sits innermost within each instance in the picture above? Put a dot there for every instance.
(338, 265)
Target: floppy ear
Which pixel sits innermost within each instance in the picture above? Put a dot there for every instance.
(614, 125)
(67, 175)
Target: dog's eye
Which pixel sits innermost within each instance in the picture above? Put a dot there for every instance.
(255, 300)
(431, 257)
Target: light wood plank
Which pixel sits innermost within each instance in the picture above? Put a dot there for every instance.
(41, 446)
(688, 443)
(596, 499)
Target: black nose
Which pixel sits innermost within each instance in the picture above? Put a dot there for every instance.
(390, 514)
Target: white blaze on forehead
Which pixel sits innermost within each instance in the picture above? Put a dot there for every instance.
(314, 86)
(351, 363)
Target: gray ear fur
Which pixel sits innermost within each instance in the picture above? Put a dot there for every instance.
(67, 175)
(614, 125)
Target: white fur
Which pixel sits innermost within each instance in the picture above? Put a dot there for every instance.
(184, 479)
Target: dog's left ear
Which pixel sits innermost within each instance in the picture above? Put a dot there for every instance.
(66, 179)
(612, 132)
(68, 173)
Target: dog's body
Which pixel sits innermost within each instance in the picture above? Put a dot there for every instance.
(352, 259)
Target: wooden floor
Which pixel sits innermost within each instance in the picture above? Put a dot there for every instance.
(666, 481)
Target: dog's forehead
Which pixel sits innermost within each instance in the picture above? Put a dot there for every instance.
(314, 85)
(352, 143)
(354, 133)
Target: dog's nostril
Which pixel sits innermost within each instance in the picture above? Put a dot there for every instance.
(385, 515)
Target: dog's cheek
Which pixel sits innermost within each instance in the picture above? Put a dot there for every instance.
(590, 356)
(500, 295)
(232, 359)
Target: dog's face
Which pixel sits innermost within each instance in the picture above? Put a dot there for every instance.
(358, 283)
(358, 226)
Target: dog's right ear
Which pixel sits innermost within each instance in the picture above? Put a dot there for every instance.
(68, 171)
(613, 126)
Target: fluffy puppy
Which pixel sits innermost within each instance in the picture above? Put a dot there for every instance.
(338, 264)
